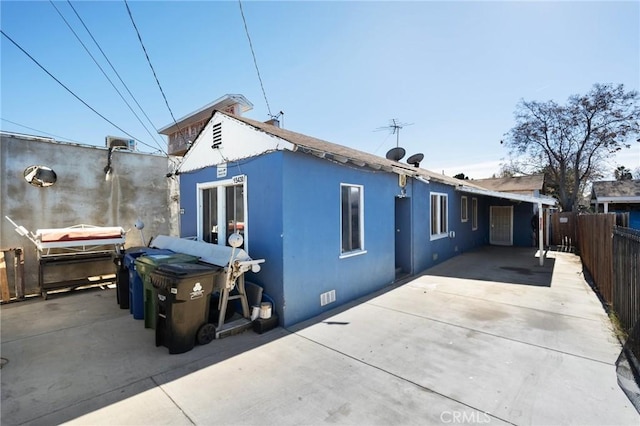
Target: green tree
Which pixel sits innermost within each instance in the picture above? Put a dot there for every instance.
(571, 142)
(622, 173)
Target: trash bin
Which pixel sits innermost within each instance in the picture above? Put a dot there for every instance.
(183, 291)
(145, 265)
(122, 282)
(134, 283)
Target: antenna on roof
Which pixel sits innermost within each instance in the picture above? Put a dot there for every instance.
(395, 126)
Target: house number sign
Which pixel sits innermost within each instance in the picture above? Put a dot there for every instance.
(237, 180)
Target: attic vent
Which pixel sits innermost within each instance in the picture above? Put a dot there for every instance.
(217, 135)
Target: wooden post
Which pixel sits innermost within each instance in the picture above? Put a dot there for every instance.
(18, 269)
(4, 282)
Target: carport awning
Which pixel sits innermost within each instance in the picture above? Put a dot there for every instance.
(546, 201)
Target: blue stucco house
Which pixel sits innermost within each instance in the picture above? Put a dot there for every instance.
(332, 223)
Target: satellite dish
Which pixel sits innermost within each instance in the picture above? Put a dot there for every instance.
(415, 159)
(396, 154)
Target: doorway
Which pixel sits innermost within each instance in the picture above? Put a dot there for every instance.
(501, 219)
(403, 237)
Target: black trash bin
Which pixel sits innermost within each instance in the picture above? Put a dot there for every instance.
(182, 308)
(122, 282)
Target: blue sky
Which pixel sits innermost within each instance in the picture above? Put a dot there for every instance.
(454, 71)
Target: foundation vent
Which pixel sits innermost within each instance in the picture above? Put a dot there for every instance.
(328, 297)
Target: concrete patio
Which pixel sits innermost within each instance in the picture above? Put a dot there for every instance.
(487, 337)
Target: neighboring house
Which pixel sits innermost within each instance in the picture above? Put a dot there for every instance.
(618, 196)
(333, 223)
(532, 185)
(183, 132)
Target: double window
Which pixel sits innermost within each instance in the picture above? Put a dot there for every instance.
(439, 214)
(351, 219)
(222, 210)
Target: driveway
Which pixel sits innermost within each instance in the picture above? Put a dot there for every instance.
(487, 337)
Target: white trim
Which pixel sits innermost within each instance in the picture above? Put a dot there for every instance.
(464, 212)
(633, 199)
(547, 201)
(362, 249)
(352, 254)
(444, 234)
(221, 213)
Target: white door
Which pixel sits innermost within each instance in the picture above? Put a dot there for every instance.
(501, 225)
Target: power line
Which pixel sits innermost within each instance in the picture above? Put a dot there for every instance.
(116, 72)
(70, 91)
(104, 73)
(152, 69)
(40, 131)
(255, 62)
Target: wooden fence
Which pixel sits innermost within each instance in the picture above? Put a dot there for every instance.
(595, 246)
(11, 271)
(564, 230)
(626, 276)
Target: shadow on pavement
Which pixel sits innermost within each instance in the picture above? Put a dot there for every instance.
(507, 265)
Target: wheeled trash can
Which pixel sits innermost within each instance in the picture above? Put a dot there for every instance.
(145, 265)
(134, 282)
(182, 311)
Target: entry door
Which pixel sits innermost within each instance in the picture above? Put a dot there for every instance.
(501, 233)
(221, 210)
(403, 235)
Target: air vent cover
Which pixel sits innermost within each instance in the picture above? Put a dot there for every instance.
(217, 135)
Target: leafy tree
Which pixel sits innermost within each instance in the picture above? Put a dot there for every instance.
(571, 142)
(622, 173)
(461, 176)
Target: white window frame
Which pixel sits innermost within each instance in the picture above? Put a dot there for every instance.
(464, 209)
(474, 214)
(439, 197)
(361, 250)
(221, 186)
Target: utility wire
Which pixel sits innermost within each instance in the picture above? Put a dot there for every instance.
(116, 72)
(40, 131)
(255, 62)
(152, 69)
(70, 91)
(104, 73)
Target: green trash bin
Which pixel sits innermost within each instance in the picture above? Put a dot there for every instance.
(145, 265)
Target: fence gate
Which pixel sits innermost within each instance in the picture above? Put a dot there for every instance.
(563, 230)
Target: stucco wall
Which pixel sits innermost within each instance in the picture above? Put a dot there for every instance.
(139, 189)
(264, 216)
(312, 232)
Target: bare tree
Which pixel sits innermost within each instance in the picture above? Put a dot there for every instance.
(571, 142)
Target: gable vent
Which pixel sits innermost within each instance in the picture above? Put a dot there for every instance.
(217, 135)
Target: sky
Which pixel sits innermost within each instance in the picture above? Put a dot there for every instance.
(452, 73)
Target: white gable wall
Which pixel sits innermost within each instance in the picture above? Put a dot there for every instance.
(239, 141)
